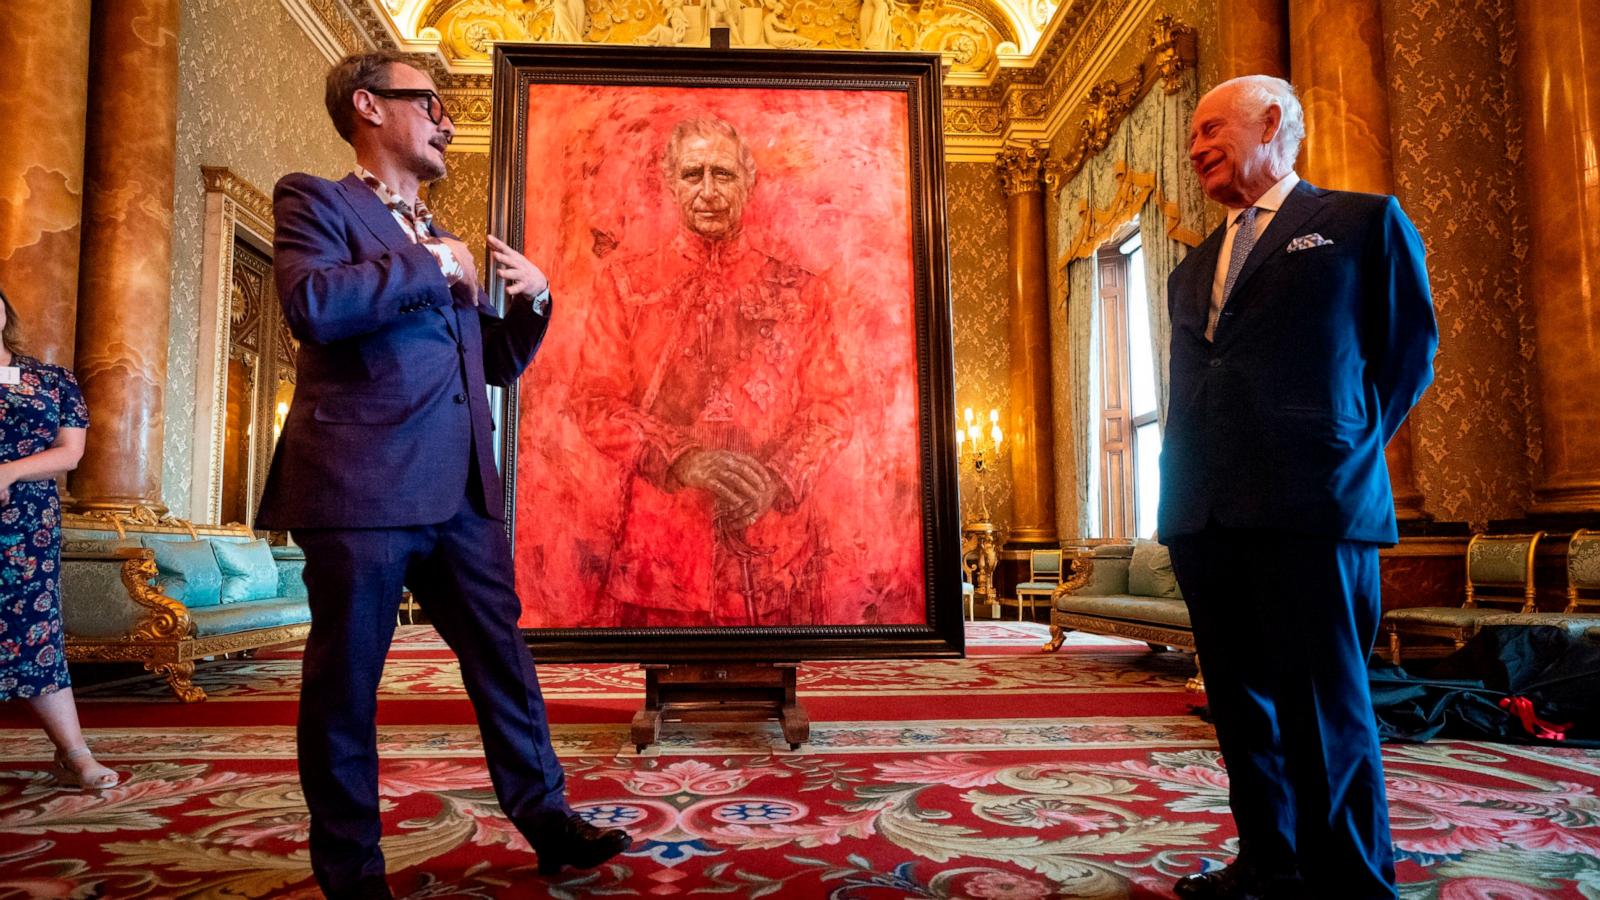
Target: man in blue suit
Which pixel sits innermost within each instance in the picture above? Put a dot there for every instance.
(1302, 333)
(385, 471)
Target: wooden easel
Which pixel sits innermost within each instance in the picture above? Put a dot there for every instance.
(720, 692)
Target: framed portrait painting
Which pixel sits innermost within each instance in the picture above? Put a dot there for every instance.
(735, 442)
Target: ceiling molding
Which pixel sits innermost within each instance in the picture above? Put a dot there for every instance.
(1041, 95)
(330, 27)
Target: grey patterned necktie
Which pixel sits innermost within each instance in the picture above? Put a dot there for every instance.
(1243, 242)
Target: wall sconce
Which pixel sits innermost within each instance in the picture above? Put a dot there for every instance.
(980, 551)
(972, 448)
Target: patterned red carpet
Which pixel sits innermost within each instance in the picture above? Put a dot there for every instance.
(1010, 774)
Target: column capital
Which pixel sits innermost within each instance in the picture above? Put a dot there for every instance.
(1027, 168)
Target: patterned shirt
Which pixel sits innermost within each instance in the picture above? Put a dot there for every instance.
(418, 226)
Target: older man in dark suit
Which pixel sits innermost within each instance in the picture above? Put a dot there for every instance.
(1302, 333)
(385, 472)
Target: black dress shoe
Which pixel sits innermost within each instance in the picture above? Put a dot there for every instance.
(1239, 881)
(580, 845)
(1226, 882)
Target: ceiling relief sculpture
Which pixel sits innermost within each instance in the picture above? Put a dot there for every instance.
(970, 33)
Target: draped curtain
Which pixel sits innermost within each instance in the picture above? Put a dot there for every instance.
(1145, 172)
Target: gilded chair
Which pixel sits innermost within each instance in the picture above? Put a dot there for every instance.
(1044, 576)
(1499, 573)
(1582, 612)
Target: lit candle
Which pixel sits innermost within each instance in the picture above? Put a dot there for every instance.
(994, 432)
(994, 416)
(960, 436)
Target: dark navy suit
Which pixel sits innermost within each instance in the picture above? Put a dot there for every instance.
(1274, 500)
(385, 475)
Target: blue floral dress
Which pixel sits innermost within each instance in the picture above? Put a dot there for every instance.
(32, 658)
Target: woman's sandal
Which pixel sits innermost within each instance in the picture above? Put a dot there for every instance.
(92, 780)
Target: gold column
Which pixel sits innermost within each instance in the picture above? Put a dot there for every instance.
(1252, 38)
(45, 44)
(1558, 70)
(1033, 482)
(124, 293)
(1337, 62)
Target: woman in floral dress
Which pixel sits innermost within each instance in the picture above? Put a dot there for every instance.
(42, 423)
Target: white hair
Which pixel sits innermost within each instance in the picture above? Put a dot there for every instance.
(1255, 95)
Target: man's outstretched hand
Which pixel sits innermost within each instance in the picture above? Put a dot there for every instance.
(521, 276)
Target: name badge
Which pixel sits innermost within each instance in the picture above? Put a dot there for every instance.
(10, 375)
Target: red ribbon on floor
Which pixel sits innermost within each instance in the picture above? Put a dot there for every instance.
(1522, 708)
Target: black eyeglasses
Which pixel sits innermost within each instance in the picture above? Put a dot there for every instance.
(433, 103)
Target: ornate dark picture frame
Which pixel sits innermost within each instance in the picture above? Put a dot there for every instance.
(526, 74)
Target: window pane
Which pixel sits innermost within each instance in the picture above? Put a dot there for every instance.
(1147, 484)
(1141, 363)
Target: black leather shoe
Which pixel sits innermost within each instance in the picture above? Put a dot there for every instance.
(580, 845)
(1239, 881)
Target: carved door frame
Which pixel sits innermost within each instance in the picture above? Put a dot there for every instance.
(235, 210)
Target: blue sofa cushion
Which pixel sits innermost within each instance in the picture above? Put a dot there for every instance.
(248, 572)
(187, 572)
(232, 618)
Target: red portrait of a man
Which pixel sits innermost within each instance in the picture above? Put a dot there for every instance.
(726, 431)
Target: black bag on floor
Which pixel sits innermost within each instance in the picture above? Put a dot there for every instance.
(1516, 684)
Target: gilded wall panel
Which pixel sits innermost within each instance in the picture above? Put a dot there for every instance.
(981, 312)
(250, 99)
(1456, 136)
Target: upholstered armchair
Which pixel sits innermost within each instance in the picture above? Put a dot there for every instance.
(1582, 612)
(1499, 577)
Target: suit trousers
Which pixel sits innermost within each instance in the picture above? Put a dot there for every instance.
(460, 572)
(1283, 625)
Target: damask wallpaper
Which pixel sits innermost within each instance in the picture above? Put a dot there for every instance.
(981, 313)
(1456, 135)
(250, 99)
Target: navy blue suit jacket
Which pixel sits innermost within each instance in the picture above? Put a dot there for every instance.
(1319, 355)
(390, 412)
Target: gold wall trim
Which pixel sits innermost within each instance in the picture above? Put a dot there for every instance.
(235, 209)
(1169, 52)
(253, 203)
(330, 29)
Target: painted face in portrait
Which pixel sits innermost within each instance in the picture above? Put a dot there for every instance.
(1230, 147)
(710, 185)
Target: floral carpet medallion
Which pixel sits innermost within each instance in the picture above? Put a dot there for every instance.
(1012, 805)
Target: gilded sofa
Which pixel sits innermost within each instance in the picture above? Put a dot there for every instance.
(117, 603)
(1127, 590)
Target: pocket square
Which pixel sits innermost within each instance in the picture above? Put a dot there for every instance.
(1306, 242)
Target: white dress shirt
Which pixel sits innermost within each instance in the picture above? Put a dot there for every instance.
(1267, 206)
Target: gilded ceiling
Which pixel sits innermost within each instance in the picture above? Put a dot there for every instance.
(976, 36)
(1021, 71)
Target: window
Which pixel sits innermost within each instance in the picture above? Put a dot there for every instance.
(1130, 427)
